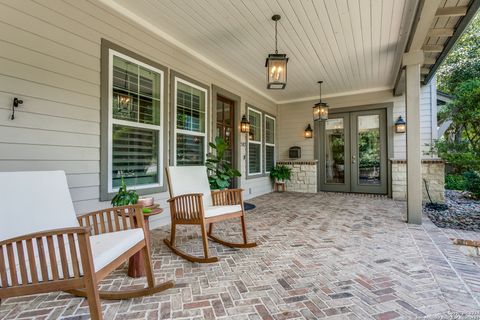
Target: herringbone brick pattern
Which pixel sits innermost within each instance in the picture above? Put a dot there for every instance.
(326, 255)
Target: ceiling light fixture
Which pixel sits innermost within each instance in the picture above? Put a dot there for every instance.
(276, 65)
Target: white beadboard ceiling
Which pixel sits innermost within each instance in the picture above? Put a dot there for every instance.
(352, 45)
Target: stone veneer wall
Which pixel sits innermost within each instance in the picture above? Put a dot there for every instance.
(433, 170)
(304, 175)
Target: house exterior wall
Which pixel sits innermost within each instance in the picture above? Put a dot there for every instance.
(50, 58)
(294, 117)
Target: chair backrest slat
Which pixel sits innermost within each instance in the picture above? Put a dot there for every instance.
(73, 253)
(31, 259)
(21, 259)
(190, 179)
(63, 257)
(11, 264)
(42, 258)
(40, 198)
(53, 258)
(3, 269)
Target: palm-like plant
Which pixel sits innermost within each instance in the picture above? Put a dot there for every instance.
(220, 169)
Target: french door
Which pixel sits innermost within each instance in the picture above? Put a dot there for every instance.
(353, 152)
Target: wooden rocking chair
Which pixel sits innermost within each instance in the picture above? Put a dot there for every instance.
(44, 247)
(192, 203)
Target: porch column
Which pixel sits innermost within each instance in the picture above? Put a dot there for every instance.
(412, 62)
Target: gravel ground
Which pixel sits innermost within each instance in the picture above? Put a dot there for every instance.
(462, 212)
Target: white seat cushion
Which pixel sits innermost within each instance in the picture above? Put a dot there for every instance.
(107, 247)
(214, 211)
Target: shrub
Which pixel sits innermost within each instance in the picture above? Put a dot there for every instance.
(454, 182)
(472, 182)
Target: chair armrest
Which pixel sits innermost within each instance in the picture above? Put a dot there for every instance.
(59, 250)
(227, 197)
(187, 207)
(113, 219)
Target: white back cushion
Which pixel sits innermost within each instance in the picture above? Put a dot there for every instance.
(191, 179)
(34, 201)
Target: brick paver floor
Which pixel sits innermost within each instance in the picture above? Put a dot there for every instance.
(325, 255)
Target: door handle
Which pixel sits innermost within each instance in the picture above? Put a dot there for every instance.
(354, 159)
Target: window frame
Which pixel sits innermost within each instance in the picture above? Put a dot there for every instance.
(175, 78)
(107, 121)
(261, 143)
(267, 144)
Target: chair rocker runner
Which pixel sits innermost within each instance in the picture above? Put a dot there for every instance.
(192, 203)
(44, 247)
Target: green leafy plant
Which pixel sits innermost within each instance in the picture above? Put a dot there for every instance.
(281, 172)
(454, 182)
(220, 169)
(124, 197)
(472, 182)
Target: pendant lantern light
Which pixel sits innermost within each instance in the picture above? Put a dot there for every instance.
(276, 65)
(320, 109)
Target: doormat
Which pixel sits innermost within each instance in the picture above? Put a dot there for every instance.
(248, 206)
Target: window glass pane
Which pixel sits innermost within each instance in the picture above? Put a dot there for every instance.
(136, 92)
(190, 108)
(135, 155)
(369, 150)
(255, 119)
(334, 151)
(269, 158)
(254, 158)
(269, 130)
(190, 150)
(149, 101)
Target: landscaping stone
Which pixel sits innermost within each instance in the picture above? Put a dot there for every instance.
(463, 212)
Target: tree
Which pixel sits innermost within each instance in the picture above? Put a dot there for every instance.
(463, 61)
(464, 111)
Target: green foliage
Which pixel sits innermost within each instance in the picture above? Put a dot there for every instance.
(221, 171)
(459, 155)
(124, 197)
(281, 172)
(454, 182)
(463, 61)
(472, 182)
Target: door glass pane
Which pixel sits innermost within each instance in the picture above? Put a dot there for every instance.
(334, 151)
(369, 149)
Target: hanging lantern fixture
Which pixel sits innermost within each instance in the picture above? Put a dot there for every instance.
(276, 65)
(320, 109)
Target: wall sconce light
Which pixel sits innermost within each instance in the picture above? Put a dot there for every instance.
(244, 125)
(308, 133)
(400, 125)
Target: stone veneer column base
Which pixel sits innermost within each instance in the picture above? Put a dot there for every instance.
(433, 170)
(304, 175)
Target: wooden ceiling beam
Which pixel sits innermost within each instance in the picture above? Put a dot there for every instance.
(451, 12)
(432, 48)
(441, 32)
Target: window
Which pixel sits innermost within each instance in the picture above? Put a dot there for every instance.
(255, 142)
(135, 131)
(269, 143)
(132, 122)
(190, 118)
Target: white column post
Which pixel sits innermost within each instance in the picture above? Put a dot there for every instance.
(412, 62)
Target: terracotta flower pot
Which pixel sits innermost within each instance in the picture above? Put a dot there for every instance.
(146, 202)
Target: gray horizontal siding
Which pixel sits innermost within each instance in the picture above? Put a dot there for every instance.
(50, 58)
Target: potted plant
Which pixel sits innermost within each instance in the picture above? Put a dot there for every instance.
(280, 173)
(220, 169)
(124, 197)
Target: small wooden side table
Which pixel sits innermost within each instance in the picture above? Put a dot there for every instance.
(136, 264)
(277, 185)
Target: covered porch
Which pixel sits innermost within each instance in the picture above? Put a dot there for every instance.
(320, 255)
